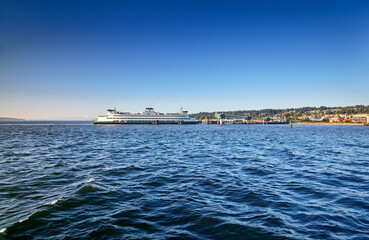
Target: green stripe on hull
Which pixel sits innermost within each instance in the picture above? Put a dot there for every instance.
(144, 122)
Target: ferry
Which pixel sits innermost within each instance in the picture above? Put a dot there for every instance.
(149, 116)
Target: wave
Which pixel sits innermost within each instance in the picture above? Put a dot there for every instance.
(90, 180)
(211, 183)
(24, 219)
(87, 189)
(52, 202)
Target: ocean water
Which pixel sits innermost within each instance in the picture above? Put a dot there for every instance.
(74, 180)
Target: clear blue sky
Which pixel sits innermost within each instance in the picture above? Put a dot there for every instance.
(73, 59)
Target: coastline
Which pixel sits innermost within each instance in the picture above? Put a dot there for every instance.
(339, 124)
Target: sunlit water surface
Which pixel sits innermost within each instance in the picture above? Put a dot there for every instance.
(63, 180)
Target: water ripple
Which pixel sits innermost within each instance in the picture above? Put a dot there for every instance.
(65, 180)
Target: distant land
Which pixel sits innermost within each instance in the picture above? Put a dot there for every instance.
(9, 119)
(303, 113)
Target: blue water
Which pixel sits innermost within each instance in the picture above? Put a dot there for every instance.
(74, 180)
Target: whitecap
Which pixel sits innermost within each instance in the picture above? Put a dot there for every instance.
(51, 203)
(2, 230)
(90, 180)
(20, 221)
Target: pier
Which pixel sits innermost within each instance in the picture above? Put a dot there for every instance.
(214, 121)
(261, 123)
(221, 119)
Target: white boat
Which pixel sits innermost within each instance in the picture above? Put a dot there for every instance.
(149, 116)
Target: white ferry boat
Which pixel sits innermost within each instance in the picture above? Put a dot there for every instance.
(149, 116)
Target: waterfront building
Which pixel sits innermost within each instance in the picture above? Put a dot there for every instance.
(360, 118)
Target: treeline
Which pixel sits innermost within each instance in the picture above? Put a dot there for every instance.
(287, 112)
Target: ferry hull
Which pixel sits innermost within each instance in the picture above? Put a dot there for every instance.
(144, 122)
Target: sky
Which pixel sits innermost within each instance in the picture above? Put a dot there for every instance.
(71, 60)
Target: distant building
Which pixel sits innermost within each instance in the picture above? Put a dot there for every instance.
(360, 118)
(219, 116)
(337, 119)
(315, 118)
(334, 119)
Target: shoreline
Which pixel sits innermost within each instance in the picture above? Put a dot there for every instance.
(337, 124)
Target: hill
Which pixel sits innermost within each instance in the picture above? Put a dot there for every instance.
(288, 112)
(9, 119)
